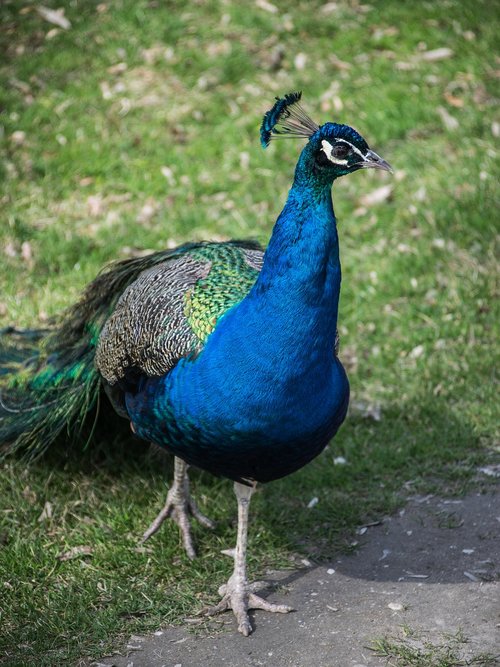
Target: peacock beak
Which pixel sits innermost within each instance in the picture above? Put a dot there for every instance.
(374, 161)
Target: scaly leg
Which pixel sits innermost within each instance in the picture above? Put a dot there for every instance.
(179, 505)
(238, 594)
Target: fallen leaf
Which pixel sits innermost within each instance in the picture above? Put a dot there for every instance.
(10, 249)
(300, 61)
(54, 16)
(366, 410)
(329, 7)
(266, 6)
(147, 211)
(436, 54)
(29, 495)
(417, 352)
(119, 68)
(449, 121)
(168, 174)
(376, 196)
(18, 137)
(453, 100)
(53, 32)
(339, 64)
(94, 202)
(46, 512)
(27, 253)
(75, 552)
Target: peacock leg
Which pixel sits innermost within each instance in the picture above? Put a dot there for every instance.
(238, 594)
(179, 505)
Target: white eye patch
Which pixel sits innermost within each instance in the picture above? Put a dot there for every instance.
(328, 148)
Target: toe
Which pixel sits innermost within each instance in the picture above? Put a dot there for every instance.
(256, 602)
(244, 626)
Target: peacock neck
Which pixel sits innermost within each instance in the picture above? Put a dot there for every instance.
(302, 261)
(290, 314)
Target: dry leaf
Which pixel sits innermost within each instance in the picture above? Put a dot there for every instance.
(266, 6)
(453, 100)
(168, 174)
(29, 495)
(147, 211)
(10, 249)
(119, 68)
(300, 61)
(329, 7)
(27, 253)
(376, 196)
(75, 552)
(46, 512)
(95, 203)
(18, 137)
(436, 54)
(54, 16)
(449, 121)
(339, 64)
(417, 352)
(366, 410)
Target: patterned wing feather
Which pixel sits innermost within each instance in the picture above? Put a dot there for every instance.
(170, 309)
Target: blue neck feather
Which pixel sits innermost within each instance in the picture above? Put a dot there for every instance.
(301, 273)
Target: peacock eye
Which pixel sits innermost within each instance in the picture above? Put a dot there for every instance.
(340, 151)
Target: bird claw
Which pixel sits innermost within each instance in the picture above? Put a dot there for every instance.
(179, 507)
(240, 599)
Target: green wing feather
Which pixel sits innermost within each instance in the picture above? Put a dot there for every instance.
(230, 278)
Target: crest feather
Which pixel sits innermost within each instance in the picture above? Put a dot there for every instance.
(286, 119)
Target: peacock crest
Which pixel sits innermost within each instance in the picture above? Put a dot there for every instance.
(286, 119)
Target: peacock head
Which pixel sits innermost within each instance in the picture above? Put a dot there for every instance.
(333, 150)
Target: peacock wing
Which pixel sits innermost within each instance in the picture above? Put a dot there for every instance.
(169, 311)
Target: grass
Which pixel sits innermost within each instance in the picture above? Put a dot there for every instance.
(413, 650)
(137, 128)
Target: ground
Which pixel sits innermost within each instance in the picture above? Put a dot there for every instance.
(421, 587)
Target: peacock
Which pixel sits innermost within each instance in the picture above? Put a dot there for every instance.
(221, 353)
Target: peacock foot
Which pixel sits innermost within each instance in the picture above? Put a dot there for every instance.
(240, 597)
(179, 506)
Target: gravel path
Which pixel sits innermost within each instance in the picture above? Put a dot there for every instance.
(433, 568)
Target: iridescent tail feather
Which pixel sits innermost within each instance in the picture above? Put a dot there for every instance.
(44, 389)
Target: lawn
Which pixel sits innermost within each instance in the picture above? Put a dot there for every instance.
(133, 125)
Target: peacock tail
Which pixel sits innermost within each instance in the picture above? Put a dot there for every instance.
(49, 379)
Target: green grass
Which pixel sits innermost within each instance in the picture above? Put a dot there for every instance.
(91, 118)
(413, 650)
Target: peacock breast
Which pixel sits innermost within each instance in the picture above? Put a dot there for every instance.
(242, 429)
